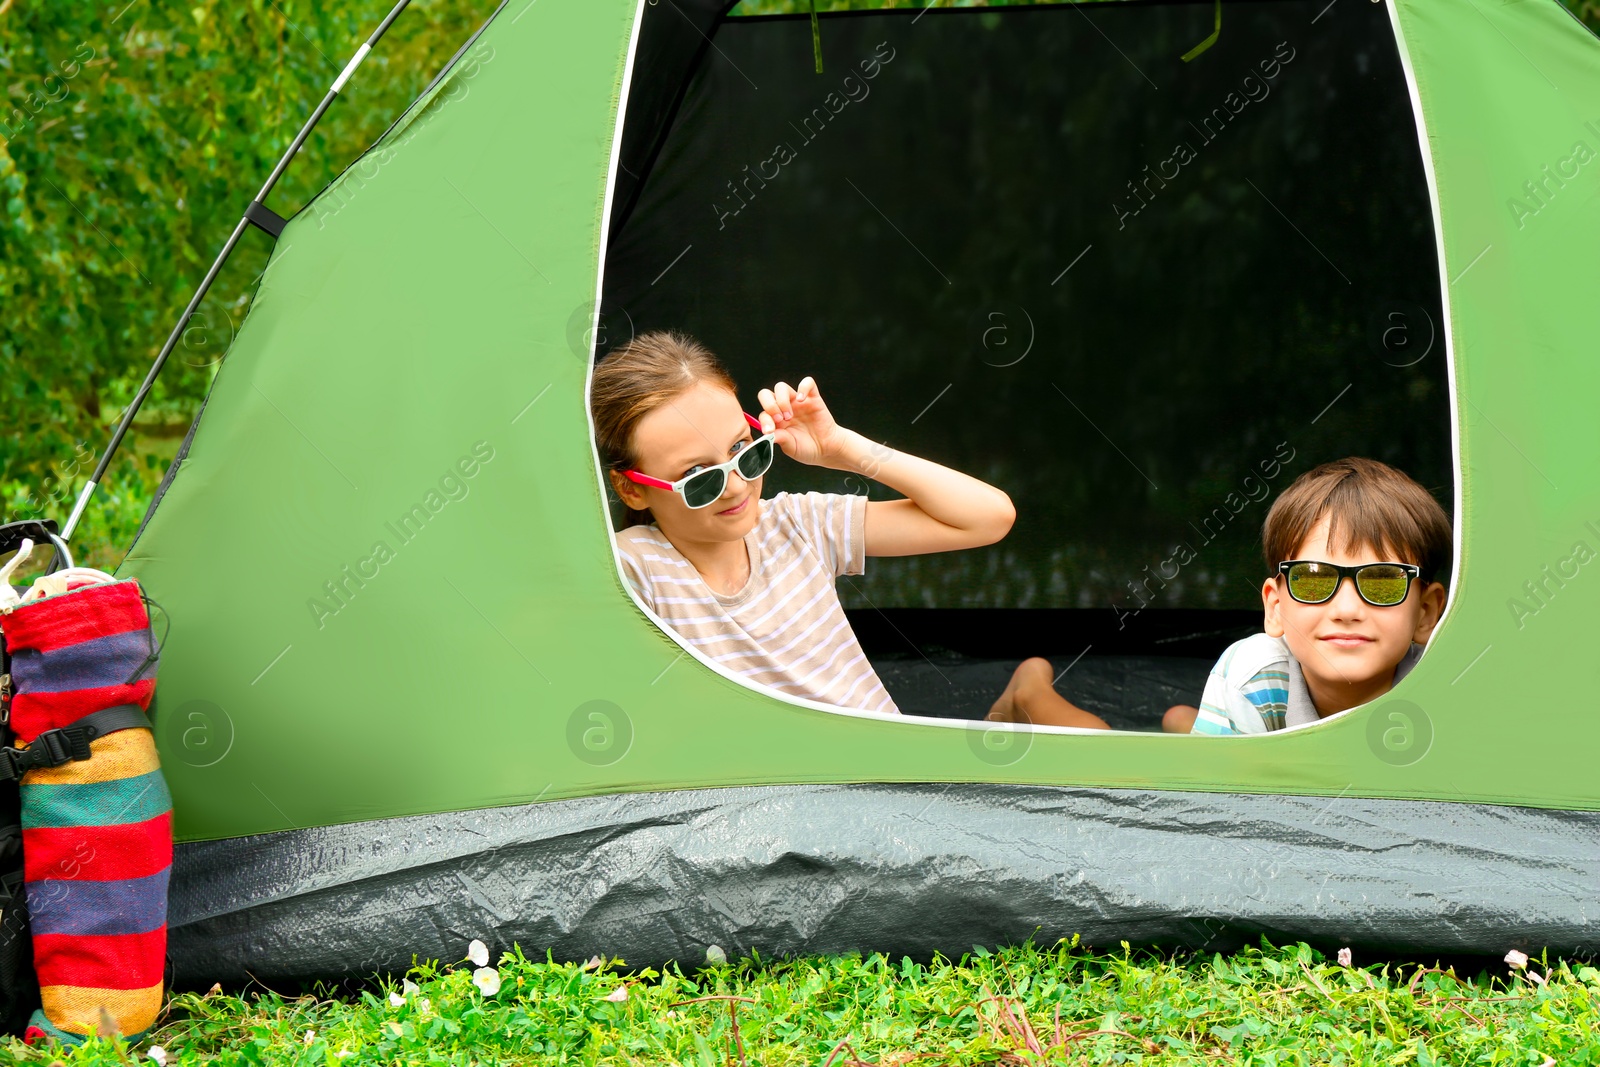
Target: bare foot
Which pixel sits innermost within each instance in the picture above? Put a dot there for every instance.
(1031, 697)
(1025, 681)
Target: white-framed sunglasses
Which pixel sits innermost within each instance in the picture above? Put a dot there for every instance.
(704, 487)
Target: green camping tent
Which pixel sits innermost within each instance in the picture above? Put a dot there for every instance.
(406, 698)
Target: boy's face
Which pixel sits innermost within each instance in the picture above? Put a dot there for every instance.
(1348, 649)
(701, 426)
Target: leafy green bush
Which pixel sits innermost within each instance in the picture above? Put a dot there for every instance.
(132, 136)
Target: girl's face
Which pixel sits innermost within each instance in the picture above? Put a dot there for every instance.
(701, 426)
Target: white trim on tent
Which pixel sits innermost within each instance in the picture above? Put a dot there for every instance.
(1444, 296)
(967, 724)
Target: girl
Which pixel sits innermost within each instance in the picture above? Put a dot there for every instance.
(748, 582)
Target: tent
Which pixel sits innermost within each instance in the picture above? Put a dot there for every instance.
(407, 700)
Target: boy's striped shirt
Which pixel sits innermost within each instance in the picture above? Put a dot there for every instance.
(1257, 687)
(1247, 691)
(786, 628)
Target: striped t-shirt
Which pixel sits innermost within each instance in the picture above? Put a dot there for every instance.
(785, 629)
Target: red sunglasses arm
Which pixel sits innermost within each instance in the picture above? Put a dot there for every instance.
(645, 479)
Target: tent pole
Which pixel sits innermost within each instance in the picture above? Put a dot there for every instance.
(256, 214)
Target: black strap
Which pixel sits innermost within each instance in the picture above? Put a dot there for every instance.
(264, 218)
(35, 530)
(65, 743)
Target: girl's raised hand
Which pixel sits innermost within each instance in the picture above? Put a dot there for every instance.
(800, 422)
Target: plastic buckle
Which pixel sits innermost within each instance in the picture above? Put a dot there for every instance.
(58, 748)
(11, 766)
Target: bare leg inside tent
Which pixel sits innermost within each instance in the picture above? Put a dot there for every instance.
(1031, 697)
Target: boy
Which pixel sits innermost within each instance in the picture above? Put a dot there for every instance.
(1352, 549)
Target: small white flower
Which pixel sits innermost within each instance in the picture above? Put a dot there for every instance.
(618, 995)
(478, 953)
(1344, 957)
(487, 979)
(158, 1055)
(342, 1054)
(311, 1035)
(396, 1000)
(409, 988)
(1519, 960)
(1536, 977)
(424, 1005)
(715, 956)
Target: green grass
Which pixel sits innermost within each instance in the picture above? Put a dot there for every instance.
(1022, 1005)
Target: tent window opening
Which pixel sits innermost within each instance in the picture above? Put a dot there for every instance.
(1139, 294)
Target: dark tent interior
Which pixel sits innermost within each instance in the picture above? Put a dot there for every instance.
(1140, 294)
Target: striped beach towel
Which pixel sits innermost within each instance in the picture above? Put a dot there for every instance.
(96, 833)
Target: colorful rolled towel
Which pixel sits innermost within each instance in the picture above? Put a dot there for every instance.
(96, 833)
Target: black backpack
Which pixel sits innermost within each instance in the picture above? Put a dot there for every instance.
(19, 986)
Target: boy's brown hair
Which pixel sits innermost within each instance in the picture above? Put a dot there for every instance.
(1369, 503)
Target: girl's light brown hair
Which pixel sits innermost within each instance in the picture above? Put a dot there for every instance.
(1368, 503)
(634, 380)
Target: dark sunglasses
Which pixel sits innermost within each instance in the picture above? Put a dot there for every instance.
(1383, 585)
(704, 487)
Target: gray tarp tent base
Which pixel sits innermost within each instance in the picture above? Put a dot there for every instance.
(912, 869)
